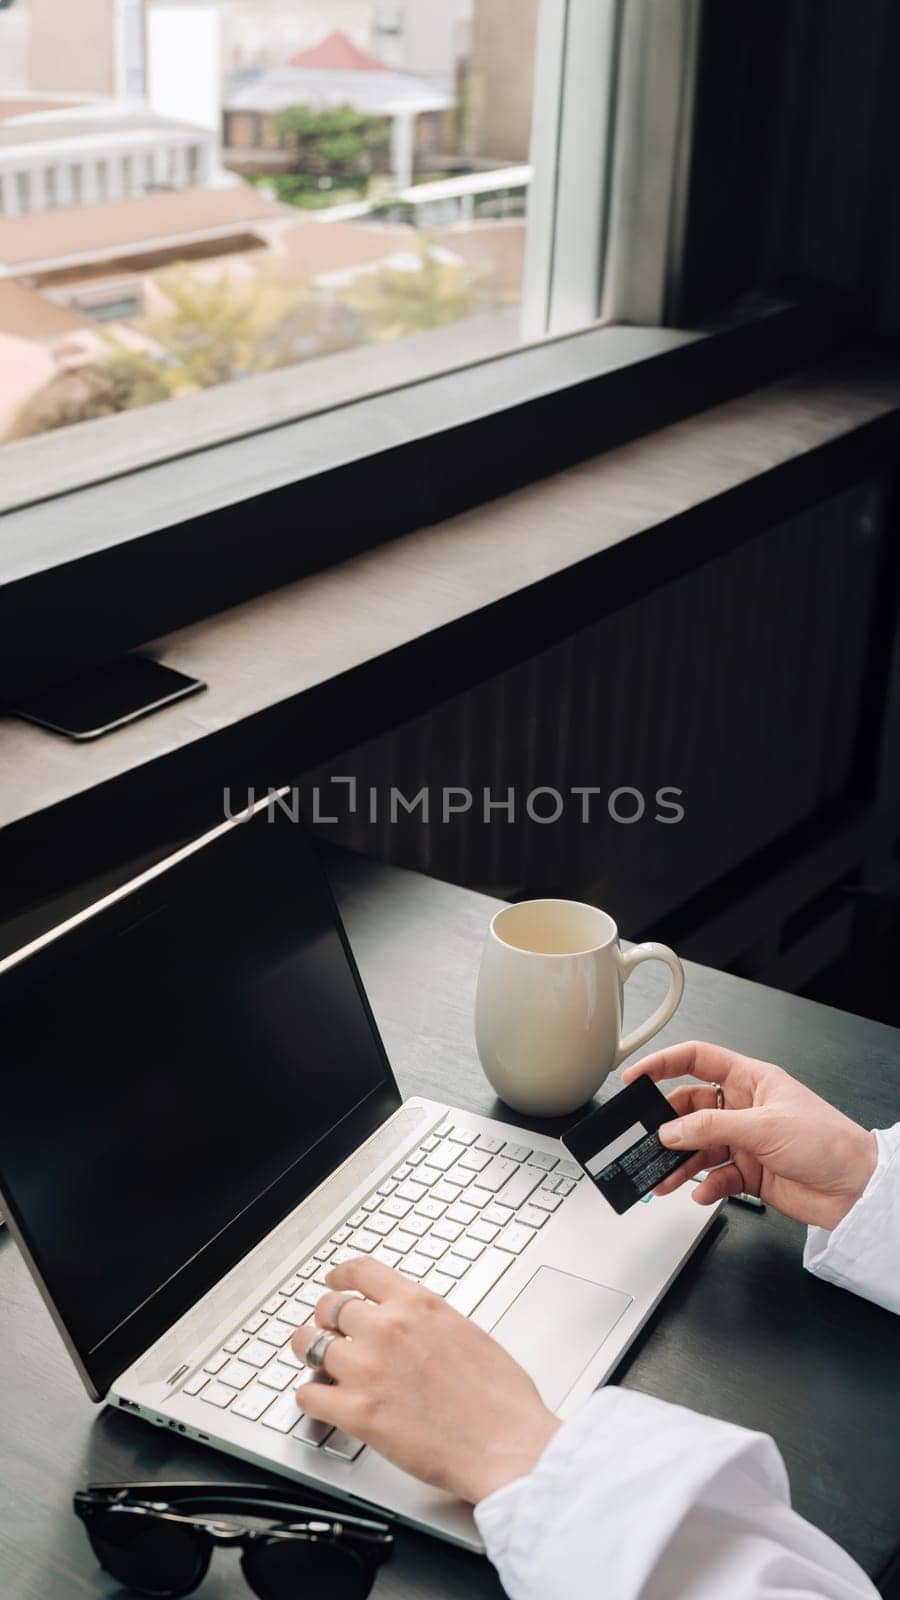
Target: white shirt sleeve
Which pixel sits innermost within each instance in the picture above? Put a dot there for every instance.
(641, 1500)
(863, 1252)
(647, 1501)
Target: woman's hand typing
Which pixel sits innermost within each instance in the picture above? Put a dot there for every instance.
(431, 1391)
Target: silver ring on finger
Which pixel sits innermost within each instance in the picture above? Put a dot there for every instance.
(318, 1350)
(339, 1304)
(720, 1096)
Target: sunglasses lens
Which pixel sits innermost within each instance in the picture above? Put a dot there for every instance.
(151, 1557)
(288, 1569)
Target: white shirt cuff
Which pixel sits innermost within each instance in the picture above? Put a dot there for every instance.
(863, 1253)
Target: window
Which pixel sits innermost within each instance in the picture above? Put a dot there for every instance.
(345, 220)
(275, 370)
(386, 192)
(119, 307)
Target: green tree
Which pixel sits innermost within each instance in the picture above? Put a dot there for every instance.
(395, 301)
(213, 331)
(338, 143)
(79, 394)
(216, 330)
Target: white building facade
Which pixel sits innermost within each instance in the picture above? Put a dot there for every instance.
(85, 155)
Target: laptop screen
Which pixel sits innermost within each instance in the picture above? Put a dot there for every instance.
(178, 1073)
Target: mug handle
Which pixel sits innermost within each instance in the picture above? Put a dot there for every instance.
(628, 960)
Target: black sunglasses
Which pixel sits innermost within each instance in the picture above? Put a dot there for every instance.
(157, 1539)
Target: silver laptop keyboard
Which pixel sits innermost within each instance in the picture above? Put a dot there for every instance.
(454, 1215)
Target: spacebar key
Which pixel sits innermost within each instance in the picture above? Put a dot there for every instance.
(480, 1278)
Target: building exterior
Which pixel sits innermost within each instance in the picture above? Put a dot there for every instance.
(98, 264)
(473, 197)
(13, 47)
(94, 47)
(111, 115)
(499, 80)
(266, 33)
(78, 286)
(184, 61)
(335, 72)
(131, 237)
(425, 37)
(39, 340)
(71, 49)
(57, 153)
(428, 37)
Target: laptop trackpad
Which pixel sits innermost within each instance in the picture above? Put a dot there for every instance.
(556, 1325)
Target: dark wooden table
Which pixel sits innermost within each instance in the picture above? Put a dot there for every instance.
(744, 1333)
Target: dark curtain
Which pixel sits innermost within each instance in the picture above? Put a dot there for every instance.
(793, 185)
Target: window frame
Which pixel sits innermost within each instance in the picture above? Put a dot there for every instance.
(105, 567)
(574, 126)
(64, 612)
(572, 140)
(167, 792)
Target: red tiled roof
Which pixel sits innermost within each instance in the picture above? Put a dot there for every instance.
(337, 53)
(313, 248)
(23, 107)
(29, 315)
(45, 237)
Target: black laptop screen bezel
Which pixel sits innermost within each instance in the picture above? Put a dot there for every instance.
(101, 1365)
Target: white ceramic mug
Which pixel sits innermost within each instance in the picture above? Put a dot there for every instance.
(548, 1009)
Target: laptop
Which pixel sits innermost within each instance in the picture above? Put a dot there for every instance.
(199, 1119)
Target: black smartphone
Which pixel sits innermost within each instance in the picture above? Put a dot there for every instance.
(618, 1146)
(107, 698)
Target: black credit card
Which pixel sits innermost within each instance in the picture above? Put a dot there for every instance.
(618, 1146)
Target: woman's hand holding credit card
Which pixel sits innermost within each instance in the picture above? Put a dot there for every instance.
(750, 1126)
